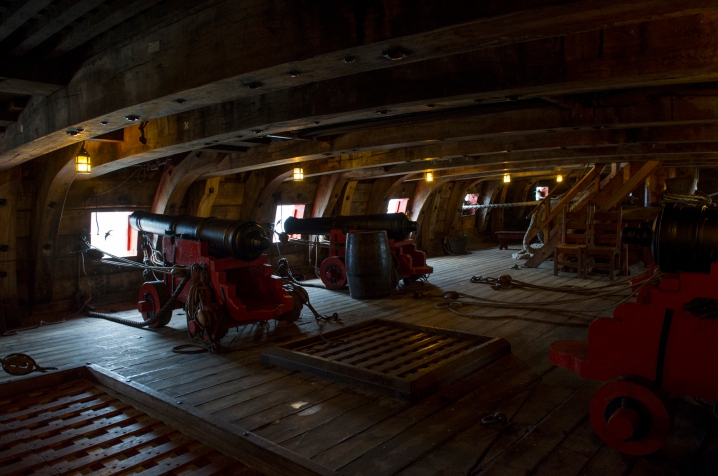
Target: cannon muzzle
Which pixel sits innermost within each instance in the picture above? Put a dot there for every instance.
(683, 238)
(398, 226)
(242, 240)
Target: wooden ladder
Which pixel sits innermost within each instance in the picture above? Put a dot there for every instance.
(606, 195)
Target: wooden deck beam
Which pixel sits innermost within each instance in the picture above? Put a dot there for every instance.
(433, 31)
(59, 17)
(18, 14)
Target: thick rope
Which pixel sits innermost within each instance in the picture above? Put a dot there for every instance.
(454, 300)
(295, 287)
(501, 205)
(699, 198)
(167, 308)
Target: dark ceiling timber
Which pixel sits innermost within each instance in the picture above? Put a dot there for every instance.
(59, 16)
(17, 13)
(31, 79)
(657, 118)
(106, 16)
(428, 30)
(43, 43)
(544, 69)
(432, 135)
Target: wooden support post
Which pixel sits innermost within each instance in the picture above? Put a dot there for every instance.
(377, 202)
(547, 227)
(421, 194)
(253, 186)
(9, 187)
(176, 179)
(382, 206)
(490, 189)
(655, 184)
(348, 197)
(56, 174)
(453, 207)
(500, 218)
(201, 205)
(336, 194)
(266, 204)
(427, 224)
(324, 194)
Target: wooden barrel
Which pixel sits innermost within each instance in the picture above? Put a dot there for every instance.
(369, 264)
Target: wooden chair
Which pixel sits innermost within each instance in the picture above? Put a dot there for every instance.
(570, 253)
(604, 241)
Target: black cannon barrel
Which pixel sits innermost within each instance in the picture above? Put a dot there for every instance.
(243, 240)
(684, 237)
(398, 226)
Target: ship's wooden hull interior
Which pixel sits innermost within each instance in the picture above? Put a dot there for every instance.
(359, 237)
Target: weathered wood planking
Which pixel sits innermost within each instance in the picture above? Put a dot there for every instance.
(354, 432)
(42, 431)
(77, 426)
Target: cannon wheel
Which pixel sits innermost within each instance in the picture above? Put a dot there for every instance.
(333, 273)
(631, 415)
(293, 315)
(155, 292)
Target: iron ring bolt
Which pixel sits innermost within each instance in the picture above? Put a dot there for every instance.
(494, 419)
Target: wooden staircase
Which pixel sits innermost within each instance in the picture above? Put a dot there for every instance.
(605, 194)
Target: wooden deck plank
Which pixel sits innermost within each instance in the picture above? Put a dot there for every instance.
(401, 450)
(574, 452)
(289, 407)
(373, 437)
(312, 416)
(325, 436)
(355, 431)
(466, 451)
(530, 450)
(259, 397)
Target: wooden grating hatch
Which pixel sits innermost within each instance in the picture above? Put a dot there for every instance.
(78, 428)
(91, 421)
(391, 358)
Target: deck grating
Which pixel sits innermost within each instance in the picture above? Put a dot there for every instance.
(391, 358)
(78, 428)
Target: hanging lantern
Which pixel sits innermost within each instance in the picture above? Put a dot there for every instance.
(83, 164)
(507, 178)
(298, 174)
(559, 178)
(429, 176)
